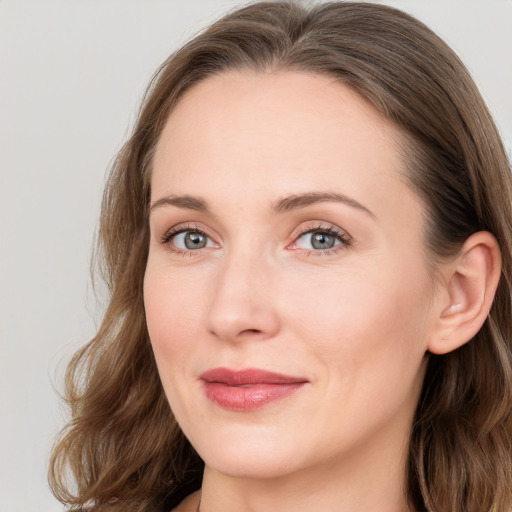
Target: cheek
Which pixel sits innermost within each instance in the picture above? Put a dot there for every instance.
(365, 333)
(359, 317)
(173, 309)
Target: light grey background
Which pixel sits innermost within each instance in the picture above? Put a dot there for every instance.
(72, 73)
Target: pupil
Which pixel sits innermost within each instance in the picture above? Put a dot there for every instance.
(195, 241)
(321, 240)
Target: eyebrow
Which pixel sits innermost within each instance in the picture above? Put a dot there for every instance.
(283, 205)
(302, 200)
(187, 202)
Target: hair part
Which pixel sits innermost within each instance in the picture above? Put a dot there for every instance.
(123, 447)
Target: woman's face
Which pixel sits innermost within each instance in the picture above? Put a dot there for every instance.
(284, 241)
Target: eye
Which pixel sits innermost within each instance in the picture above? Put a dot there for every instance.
(321, 239)
(188, 240)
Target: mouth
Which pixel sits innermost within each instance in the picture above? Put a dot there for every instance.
(248, 389)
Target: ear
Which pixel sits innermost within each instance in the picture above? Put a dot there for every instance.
(468, 289)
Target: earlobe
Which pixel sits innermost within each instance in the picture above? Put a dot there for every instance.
(470, 285)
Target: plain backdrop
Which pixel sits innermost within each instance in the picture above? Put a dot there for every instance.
(72, 73)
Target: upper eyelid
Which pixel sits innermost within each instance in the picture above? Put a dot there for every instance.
(186, 226)
(328, 227)
(183, 228)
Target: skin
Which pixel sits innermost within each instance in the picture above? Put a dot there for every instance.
(355, 321)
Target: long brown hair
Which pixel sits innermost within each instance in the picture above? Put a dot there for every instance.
(122, 449)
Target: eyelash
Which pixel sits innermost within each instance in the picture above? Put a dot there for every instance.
(345, 240)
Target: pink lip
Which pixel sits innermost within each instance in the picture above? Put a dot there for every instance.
(248, 389)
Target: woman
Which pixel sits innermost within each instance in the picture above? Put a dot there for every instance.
(308, 245)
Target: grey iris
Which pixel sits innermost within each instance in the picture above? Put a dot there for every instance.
(320, 240)
(195, 240)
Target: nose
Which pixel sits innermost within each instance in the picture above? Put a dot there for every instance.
(243, 306)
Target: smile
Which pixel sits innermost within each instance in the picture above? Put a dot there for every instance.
(248, 389)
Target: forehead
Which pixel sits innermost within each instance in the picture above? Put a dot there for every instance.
(298, 111)
(276, 134)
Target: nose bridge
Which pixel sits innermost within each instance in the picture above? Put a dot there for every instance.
(242, 304)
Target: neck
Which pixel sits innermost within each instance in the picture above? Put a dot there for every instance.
(366, 480)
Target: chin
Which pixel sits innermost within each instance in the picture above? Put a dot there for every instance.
(248, 455)
(251, 466)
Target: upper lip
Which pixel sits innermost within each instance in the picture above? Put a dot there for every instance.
(248, 376)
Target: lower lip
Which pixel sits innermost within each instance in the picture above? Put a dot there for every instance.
(250, 397)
